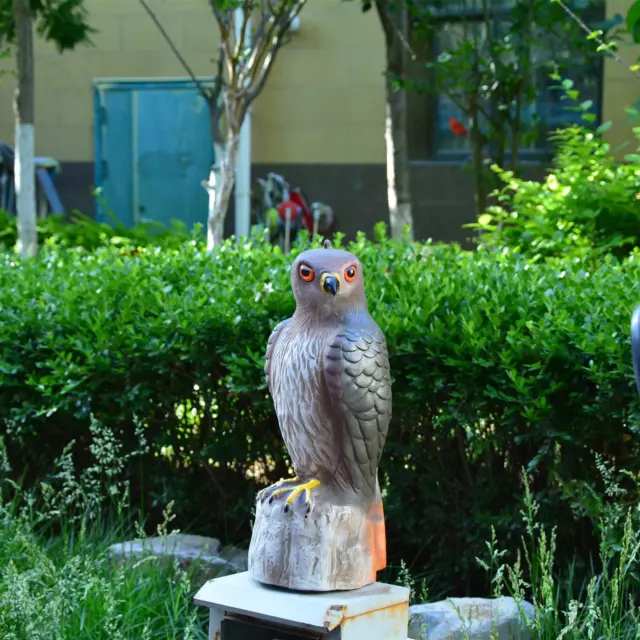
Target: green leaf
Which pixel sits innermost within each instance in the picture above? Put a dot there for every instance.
(633, 20)
(605, 126)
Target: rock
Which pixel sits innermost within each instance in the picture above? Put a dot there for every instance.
(450, 619)
(211, 558)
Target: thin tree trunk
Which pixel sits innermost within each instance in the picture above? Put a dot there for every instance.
(477, 144)
(515, 134)
(395, 22)
(24, 108)
(221, 185)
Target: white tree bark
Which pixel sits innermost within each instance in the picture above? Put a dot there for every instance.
(24, 166)
(222, 179)
(398, 191)
(395, 24)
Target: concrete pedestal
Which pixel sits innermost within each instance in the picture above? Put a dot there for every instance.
(242, 609)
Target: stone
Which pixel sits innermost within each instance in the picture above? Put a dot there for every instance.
(211, 558)
(329, 549)
(472, 619)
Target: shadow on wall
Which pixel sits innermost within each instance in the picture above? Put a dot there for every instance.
(443, 194)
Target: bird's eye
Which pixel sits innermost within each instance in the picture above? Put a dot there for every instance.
(350, 273)
(306, 273)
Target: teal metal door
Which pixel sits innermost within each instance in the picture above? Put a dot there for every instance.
(153, 148)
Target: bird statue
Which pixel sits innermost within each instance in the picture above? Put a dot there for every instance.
(327, 370)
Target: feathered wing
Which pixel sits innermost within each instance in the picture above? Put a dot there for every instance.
(273, 338)
(358, 381)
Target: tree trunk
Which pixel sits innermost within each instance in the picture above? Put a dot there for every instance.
(24, 166)
(395, 23)
(477, 142)
(221, 182)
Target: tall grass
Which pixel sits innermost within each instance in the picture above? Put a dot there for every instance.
(57, 578)
(605, 606)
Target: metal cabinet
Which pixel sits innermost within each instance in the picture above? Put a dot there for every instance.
(152, 147)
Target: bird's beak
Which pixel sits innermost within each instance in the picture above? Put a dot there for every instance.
(330, 284)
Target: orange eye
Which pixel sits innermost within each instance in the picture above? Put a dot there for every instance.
(306, 273)
(350, 273)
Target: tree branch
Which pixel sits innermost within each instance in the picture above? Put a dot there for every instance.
(206, 93)
(274, 35)
(215, 105)
(224, 24)
(246, 19)
(598, 39)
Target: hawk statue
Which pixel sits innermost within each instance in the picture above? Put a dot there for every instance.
(327, 369)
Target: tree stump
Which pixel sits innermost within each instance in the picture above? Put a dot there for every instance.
(335, 547)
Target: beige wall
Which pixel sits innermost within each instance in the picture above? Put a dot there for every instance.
(324, 101)
(621, 89)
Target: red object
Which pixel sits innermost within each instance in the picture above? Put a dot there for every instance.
(299, 199)
(292, 206)
(297, 204)
(457, 127)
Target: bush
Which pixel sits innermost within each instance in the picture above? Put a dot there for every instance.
(498, 364)
(588, 202)
(81, 231)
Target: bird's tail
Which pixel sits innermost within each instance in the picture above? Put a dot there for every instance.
(377, 534)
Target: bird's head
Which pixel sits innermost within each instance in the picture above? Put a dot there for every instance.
(328, 281)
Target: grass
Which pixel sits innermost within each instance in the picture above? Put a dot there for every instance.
(606, 605)
(65, 585)
(58, 581)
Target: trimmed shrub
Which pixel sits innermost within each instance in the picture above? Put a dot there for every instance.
(498, 364)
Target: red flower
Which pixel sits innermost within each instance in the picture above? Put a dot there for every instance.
(457, 127)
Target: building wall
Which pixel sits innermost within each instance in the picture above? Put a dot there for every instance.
(324, 101)
(621, 89)
(319, 121)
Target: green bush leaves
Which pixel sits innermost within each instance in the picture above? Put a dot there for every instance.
(498, 364)
(589, 201)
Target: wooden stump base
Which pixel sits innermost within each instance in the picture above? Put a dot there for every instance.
(332, 549)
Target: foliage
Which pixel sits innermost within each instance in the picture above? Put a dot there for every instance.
(63, 22)
(497, 364)
(492, 64)
(84, 232)
(604, 606)
(633, 21)
(57, 580)
(588, 201)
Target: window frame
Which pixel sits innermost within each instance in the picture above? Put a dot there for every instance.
(434, 151)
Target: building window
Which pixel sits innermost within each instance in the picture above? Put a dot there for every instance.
(457, 22)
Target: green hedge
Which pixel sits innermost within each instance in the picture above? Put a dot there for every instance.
(497, 365)
(82, 231)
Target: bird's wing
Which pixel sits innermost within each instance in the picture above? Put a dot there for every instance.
(273, 338)
(358, 380)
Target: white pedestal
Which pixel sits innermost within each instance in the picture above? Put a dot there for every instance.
(244, 609)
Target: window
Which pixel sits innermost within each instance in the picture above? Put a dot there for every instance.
(458, 22)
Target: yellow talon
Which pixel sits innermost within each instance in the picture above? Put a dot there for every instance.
(262, 493)
(306, 487)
